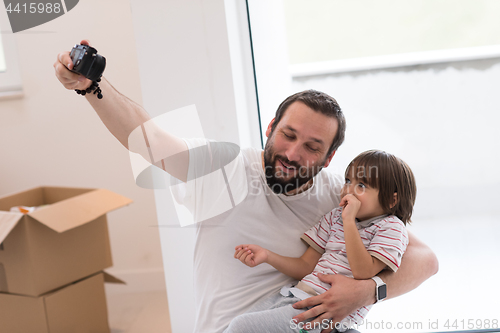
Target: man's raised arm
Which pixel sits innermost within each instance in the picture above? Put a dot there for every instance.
(121, 116)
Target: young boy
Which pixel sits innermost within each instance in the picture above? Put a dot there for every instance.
(365, 235)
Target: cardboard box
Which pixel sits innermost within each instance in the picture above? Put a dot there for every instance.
(78, 308)
(57, 244)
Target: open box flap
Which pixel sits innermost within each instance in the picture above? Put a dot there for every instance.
(74, 212)
(31, 198)
(8, 221)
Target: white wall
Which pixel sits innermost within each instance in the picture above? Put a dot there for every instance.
(442, 119)
(52, 136)
(163, 54)
(185, 58)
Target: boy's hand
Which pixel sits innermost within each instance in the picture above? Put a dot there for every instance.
(351, 207)
(250, 254)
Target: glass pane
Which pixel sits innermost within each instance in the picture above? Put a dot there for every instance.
(2, 57)
(353, 29)
(440, 118)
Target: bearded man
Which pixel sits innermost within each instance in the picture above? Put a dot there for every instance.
(286, 193)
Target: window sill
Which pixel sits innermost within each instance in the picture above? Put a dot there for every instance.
(393, 61)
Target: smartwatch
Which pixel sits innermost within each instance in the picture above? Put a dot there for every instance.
(381, 289)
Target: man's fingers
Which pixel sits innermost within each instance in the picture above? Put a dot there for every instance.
(331, 326)
(69, 79)
(311, 301)
(65, 59)
(63, 67)
(308, 302)
(311, 313)
(320, 320)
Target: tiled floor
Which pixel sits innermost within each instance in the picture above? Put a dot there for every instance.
(139, 313)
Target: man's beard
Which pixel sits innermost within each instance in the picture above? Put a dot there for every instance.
(300, 175)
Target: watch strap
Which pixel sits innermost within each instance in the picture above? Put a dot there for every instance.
(380, 284)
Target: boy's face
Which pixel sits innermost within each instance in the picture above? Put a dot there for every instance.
(296, 150)
(368, 196)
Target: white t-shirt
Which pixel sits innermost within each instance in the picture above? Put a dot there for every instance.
(235, 206)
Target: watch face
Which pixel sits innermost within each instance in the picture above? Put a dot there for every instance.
(382, 292)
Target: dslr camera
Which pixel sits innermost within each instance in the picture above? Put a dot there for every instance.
(87, 62)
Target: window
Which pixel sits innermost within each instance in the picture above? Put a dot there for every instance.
(437, 112)
(10, 76)
(2, 57)
(360, 35)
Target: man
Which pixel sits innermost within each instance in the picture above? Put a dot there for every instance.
(287, 193)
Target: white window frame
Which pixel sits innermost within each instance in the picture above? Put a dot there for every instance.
(226, 101)
(10, 80)
(394, 60)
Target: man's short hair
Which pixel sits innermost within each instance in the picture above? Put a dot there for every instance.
(319, 102)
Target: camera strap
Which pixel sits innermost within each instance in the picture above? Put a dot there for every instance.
(94, 87)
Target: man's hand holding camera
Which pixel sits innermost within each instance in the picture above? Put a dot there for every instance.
(70, 80)
(81, 69)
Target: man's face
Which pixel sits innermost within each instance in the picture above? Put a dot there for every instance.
(296, 150)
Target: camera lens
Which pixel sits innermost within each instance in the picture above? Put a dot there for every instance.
(96, 68)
